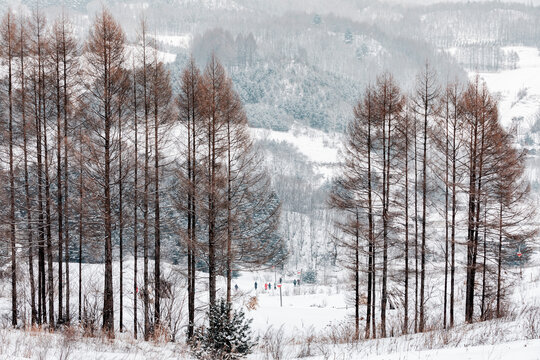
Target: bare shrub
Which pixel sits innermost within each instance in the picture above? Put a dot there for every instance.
(532, 323)
(274, 343)
(341, 333)
(173, 306)
(90, 317)
(306, 349)
(324, 350)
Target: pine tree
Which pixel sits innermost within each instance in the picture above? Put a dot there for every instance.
(228, 335)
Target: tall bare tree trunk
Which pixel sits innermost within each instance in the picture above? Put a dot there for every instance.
(28, 203)
(157, 225)
(67, 47)
(135, 204)
(59, 137)
(371, 238)
(81, 216)
(8, 40)
(146, 300)
(406, 302)
(48, 220)
(416, 288)
(121, 217)
(446, 215)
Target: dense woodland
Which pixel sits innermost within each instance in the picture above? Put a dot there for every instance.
(101, 157)
(434, 166)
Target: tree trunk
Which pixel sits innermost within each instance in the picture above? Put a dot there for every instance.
(135, 204)
(157, 225)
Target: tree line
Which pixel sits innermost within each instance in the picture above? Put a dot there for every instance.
(104, 156)
(433, 169)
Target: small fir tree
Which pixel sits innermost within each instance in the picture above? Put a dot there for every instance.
(227, 337)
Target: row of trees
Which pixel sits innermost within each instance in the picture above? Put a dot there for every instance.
(434, 167)
(99, 147)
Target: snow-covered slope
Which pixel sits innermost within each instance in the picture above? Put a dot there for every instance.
(518, 89)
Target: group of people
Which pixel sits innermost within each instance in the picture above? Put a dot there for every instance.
(268, 286)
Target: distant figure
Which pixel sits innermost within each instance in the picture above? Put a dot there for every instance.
(294, 282)
(265, 286)
(255, 285)
(236, 287)
(275, 287)
(298, 282)
(280, 280)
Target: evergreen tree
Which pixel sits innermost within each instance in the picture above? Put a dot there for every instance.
(228, 335)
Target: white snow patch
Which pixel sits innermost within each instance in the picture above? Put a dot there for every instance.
(519, 89)
(320, 148)
(180, 41)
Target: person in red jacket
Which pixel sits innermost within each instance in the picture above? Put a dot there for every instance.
(265, 286)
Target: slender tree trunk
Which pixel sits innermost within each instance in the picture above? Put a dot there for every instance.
(469, 298)
(146, 221)
(374, 293)
(189, 221)
(48, 221)
(454, 211)
(423, 240)
(357, 277)
(135, 205)
(446, 219)
(230, 220)
(59, 193)
(415, 228)
(28, 202)
(81, 216)
(157, 225)
(212, 191)
(192, 138)
(12, 225)
(66, 171)
(386, 200)
(371, 238)
(499, 259)
(406, 302)
(484, 266)
(121, 218)
(42, 310)
(108, 296)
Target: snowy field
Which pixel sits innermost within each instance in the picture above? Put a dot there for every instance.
(314, 322)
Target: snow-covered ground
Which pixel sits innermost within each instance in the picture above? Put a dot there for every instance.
(518, 89)
(320, 148)
(178, 41)
(314, 321)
